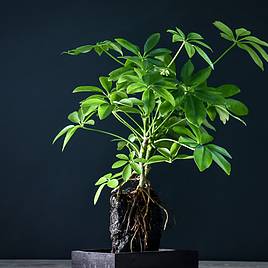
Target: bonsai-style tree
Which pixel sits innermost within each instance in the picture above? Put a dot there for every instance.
(169, 113)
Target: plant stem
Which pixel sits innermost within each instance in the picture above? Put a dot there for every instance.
(113, 57)
(120, 119)
(111, 134)
(224, 53)
(163, 122)
(133, 120)
(177, 53)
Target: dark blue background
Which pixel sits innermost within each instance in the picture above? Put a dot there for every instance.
(46, 196)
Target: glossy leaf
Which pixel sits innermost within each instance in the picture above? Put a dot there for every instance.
(165, 94)
(98, 192)
(148, 99)
(119, 163)
(113, 183)
(202, 157)
(224, 28)
(73, 117)
(68, 136)
(204, 55)
(128, 45)
(151, 42)
(126, 172)
(228, 90)
(194, 110)
(104, 110)
(87, 89)
(62, 132)
(236, 107)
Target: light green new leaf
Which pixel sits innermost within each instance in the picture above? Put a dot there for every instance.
(157, 159)
(68, 136)
(123, 156)
(195, 110)
(148, 99)
(104, 110)
(126, 172)
(224, 28)
(128, 45)
(87, 89)
(112, 183)
(103, 179)
(98, 192)
(236, 107)
(202, 157)
(136, 167)
(62, 132)
(151, 42)
(119, 163)
(203, 54)
(106, 84)
(223, 114)
(190, 49)
(164, 151)
(73, 117)
(93, 102)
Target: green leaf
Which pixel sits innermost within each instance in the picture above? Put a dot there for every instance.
(164, 93)
(73, 117)
(136, 88)
(104, 110)
(202, 157)
(136, 167)
(115, 74)
(221, 162)
(260, 50)
(148, 99)
(224, 28)
(62, 132)
(228, 90)
(151, 42)
(187, 141)
(189, 49)
(195, 110)
(209, 95)
(202, 44)
(236, 107)
(252, 54)
(165, 108)
(223, 114)
(201, 76)
(164, 151)
(112, 183)
(157, 159)
(97, 194)
(203, 54)
(103, 179)
(68, 136)
(187, 71)
(183, 131)
(174, 149)
(126, 172)
(159, 52)
(122, 156)
(194, 36)
(87, 89)
(255, 40)
(106, 84)
(128, 45)
(93, 102)
(218, 149)
(119, 163)
(242, 32)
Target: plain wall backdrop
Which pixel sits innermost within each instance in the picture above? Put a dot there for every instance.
(46, 196)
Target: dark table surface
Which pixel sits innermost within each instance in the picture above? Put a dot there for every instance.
(67, 264)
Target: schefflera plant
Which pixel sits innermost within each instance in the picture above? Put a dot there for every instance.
(168, 111)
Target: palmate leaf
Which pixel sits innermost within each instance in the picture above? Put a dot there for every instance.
(62, 132)
(259, 49)
(242, 32)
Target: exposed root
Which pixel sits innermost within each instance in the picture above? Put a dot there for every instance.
(138, 217)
